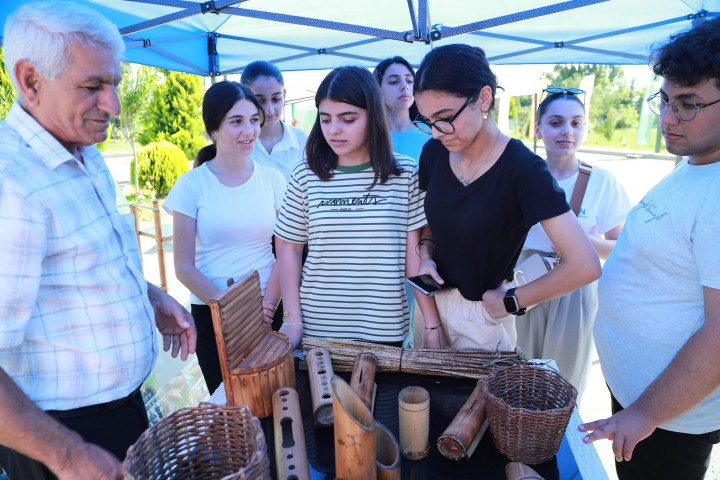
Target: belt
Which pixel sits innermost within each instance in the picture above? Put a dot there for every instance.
(98, 409)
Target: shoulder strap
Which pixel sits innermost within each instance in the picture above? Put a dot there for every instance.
(580, 186)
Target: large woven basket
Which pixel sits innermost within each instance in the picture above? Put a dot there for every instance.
(528, 408)
(204, 442)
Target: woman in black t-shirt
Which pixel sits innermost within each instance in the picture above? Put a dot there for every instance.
(483, 193)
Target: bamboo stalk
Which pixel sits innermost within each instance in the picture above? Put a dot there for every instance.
(460, 438)
(290, 452)
(387, 454)
(363, 377)
(448, 363)
(520, 471)
(321, 371)
(355, 441)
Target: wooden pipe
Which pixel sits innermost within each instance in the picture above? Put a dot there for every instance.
(290, 453)
(460, 438)
(520, 471)
(387, 454)
(320, 371)
(363, 377)
(355, 440)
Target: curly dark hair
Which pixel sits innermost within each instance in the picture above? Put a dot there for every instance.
(690, 57)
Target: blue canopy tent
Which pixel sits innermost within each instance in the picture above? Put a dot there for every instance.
(219, 37)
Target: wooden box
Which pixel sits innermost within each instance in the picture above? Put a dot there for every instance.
(255, 361)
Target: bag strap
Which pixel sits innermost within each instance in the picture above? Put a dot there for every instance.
(580, 186)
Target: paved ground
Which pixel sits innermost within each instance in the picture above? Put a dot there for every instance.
(637, 175)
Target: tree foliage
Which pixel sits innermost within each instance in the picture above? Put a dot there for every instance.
(614, 104)
(173, 113)
(7, 92)
(135, 90)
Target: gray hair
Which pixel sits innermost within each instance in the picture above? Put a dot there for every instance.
(42, 33)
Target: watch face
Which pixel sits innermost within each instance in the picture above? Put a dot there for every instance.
(511, 305)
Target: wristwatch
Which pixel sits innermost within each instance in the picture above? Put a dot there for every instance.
(511, 304)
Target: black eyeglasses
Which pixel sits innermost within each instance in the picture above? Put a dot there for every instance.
(444, 125)
(683, 108)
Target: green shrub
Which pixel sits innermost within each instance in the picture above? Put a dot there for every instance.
(160, 164)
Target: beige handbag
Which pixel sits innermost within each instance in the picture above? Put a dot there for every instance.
(537, 265)
(532, 268)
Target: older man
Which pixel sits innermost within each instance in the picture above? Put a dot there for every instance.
(658, 326)
(77, 336)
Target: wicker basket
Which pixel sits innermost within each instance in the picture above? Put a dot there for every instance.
(204, 442)
(528, 409)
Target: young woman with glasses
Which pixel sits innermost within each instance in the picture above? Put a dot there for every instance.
(562, 328)
(483, 193)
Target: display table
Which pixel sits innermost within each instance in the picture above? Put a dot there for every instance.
(575, 460)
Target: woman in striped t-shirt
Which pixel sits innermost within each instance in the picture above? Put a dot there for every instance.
(358, 207)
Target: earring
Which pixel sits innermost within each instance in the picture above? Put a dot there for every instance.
(485, 114)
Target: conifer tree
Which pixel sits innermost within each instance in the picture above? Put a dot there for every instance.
(174, 113)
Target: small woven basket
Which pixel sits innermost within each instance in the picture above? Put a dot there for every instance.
(528, 408)
(204, 442)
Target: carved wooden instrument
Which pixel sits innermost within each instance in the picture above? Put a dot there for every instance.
(290, 452)
(320, 371)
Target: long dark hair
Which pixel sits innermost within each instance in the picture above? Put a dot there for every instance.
(460, 70)
(354, 86)
(379, 74)
(217, 102)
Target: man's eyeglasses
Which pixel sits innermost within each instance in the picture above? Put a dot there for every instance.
(444, 125)
(684, 109)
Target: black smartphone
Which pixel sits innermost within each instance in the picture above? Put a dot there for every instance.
(426, 285)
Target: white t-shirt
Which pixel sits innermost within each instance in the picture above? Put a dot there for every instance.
(234, 225)
(651, 291)
(287, 153)
(604, 207)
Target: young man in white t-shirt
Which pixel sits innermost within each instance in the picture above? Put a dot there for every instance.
(657, 329)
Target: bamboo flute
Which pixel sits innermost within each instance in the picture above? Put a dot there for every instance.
(520, 471)
(363, 377)
(460, 438)
(320, 370)
(387, 454)
(355, 438)
(291, 458)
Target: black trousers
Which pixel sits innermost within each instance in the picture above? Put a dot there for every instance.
(668, 455)
(114, 426)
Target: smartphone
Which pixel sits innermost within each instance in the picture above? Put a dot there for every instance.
(426, 285)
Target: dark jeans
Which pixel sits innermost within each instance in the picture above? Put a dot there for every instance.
(668, 455)
(114, 426)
